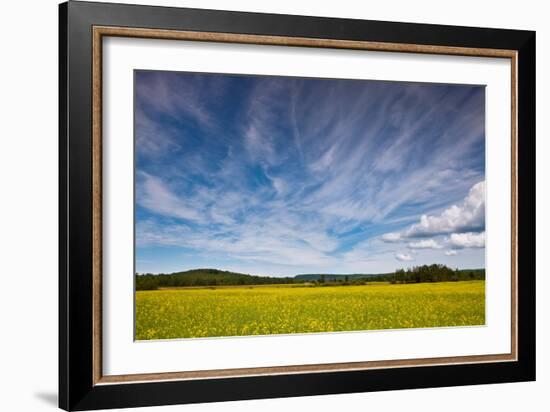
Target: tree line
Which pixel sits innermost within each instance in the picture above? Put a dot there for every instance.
(434, 273)
(214, 277)
(204, 277)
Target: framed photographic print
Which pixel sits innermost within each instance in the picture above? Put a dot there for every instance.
(257, 205)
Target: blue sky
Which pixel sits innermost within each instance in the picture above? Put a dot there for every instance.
(279, 176)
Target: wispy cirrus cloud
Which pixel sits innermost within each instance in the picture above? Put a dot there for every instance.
(171, 96)
(288, 175)
(156, 197)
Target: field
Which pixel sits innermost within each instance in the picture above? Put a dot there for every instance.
(280, 309)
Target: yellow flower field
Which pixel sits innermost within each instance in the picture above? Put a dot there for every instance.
(281, 309)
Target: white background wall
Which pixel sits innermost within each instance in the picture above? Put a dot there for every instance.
(28, 204)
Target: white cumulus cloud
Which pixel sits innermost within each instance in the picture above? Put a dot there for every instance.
(404, 257)
(425, 244)
(469, 216)
(470, 240)
(451, 252)
(391, 237)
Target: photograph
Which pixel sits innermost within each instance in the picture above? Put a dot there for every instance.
(284, 204)
(269, 205)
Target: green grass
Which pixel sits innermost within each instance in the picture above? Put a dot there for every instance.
(237, 311)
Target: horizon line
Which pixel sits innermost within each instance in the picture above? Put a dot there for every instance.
(294, 275)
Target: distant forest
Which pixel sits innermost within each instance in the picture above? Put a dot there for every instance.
(215, 277)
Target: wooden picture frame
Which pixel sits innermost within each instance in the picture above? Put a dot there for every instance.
(83, 26)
